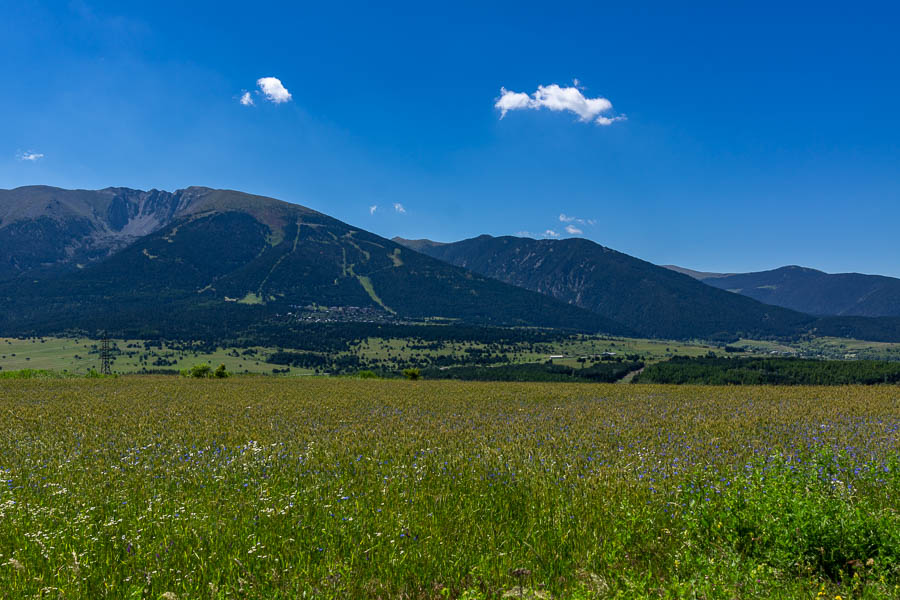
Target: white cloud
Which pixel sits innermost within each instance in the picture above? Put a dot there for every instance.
(273, 90)
(572, 230)
(30, 156)
(399, 208)
(511, 101)
(556, 98)
(372, 209)
(551, 233)
(564, 218)
(609, 120)
(247, 99)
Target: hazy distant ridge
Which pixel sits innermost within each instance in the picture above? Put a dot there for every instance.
(811, 291)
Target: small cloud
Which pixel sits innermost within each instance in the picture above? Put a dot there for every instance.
(30, 156)
(556, 98)
(372, 209)
(551, 234)
(247, 99)
(610, 120)
(572, 230)
(511, 101)
(399, 208)
(273, 90)
(564, 218)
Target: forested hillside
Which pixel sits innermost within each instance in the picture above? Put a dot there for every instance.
(236, 261)
(651, 300)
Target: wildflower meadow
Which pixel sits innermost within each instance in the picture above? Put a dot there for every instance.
(144, 487)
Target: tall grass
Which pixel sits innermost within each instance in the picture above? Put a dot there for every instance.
(400, 489)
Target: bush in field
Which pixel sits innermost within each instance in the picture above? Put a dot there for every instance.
(412, 374)
(204, 371)
(368, 374)
(198, 371)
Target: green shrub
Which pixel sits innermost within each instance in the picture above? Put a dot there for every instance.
(412, 374)
(198, 371)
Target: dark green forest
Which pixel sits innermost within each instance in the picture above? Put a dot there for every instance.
(606, 372)
(769, 371)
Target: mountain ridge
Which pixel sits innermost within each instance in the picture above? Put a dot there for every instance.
(223, 261)
(231, 253)
(817, 292)
(701, 275)
(69, 229)
(43, 227)
(654, 301)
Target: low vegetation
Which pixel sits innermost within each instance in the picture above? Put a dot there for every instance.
(49, 374)
(32, 374)
(363, 488)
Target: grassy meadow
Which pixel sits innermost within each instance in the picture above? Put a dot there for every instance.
(79, 356)
(153, 487)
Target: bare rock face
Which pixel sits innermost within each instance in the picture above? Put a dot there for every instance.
(45, 229)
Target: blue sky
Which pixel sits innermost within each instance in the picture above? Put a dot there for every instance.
(750, 135)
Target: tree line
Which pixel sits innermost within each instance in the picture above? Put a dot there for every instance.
(709, 370)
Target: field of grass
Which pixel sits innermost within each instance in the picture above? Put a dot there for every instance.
(135, 356)
(79, 356)
(152, 487)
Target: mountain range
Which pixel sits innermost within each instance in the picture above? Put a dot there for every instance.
(811, 291)
(119, 258)
(45, 228)
(651, 300)
(207, 263)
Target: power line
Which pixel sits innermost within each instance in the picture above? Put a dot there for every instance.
(105, 356)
